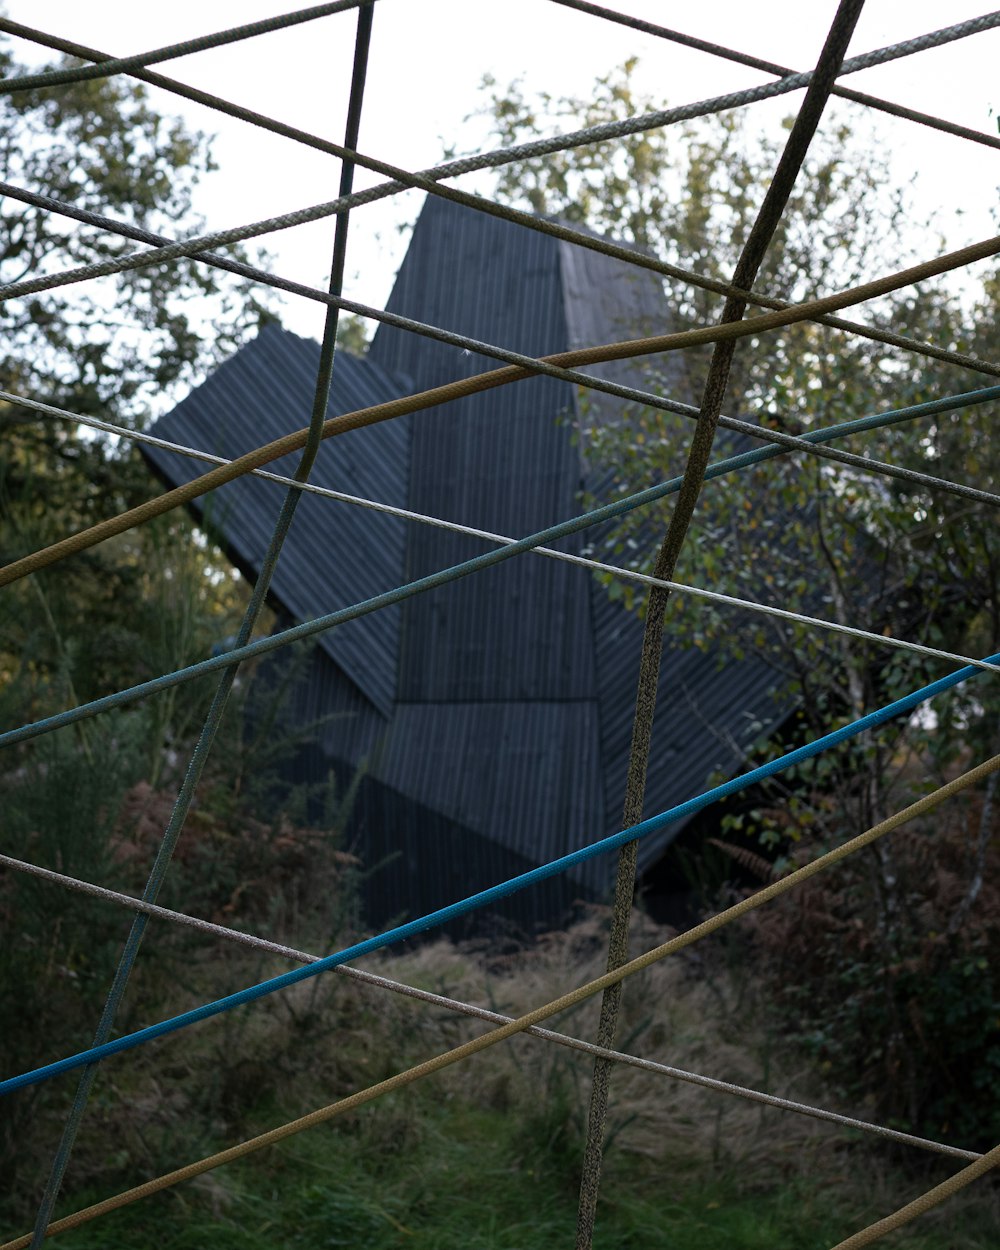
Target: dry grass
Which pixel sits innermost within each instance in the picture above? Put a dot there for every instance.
(520, 1105)
(690, 1011)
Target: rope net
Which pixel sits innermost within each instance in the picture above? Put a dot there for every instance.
(813, 446)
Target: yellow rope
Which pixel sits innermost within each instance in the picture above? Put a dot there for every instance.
(487, 381)
(874, 1232)
(563, 1003)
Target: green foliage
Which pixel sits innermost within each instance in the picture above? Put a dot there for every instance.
(689, 193)
(640, 1211)
(892, 990)
(144, 604)
(59, 809)
(810, 535)
(115, 346)
(83, 804)
(353, 334)
(470, 1159)
(804, 534)
(121, 349)
(93, 800)
(799, 533)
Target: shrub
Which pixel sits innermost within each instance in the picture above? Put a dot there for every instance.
(898, 997)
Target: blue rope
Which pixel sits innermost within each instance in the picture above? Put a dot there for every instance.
(484, 897)
(213, 719)
(542, 538)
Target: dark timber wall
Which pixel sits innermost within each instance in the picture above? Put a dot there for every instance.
(492, 717)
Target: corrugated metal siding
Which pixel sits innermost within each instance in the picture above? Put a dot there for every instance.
(417, 860)
(310, 697)
(710, 707)
(502, 461)
(606, 300)
(526, 775)
(504, 742)
(520, 630)
(710, 710)
(336, 553)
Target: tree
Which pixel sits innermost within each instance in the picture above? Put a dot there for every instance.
(120, 349)
(816, 537)
(115, 347)
(153, 600)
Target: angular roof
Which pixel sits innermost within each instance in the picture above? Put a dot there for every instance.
(503, 702)
(335, 553)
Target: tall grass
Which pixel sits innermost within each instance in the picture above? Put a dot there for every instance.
(487, 1153)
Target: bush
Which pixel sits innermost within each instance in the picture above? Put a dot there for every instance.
(80, 803)
(60, 808)
(901, 1004)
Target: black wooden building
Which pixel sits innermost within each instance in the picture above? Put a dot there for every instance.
(491, 718)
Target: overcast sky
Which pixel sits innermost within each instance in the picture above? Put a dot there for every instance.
(428, 58)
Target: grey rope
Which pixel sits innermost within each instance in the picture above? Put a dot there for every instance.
(577, 377)
(404, 179)
(470, 531)
(253, 942)
(770, 67)
(117, 65)
(525, 151)
(749, 262)
(619, 350)
(592, 243)
(804, 443)
(220, 698)
(608, 130)
(590, 381)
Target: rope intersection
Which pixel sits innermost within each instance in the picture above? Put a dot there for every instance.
(565, 366)
(714, 471)
(629, 349)
(242, 938)
(771, 67)
(475, 901)
(545, 1012)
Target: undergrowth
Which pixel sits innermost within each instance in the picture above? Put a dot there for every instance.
(485, 1154)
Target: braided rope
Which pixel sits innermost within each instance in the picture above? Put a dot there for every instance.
(537, 365)
(622, 350)
(803, 442)
(540, 225)
(470, 164)
(599, 566)
(750, 259)
(308, 628)
(213, 718)
(592, 134)
(563, 1003)
(876, 1231)
(542, 872)
(771, 67)
(917, 346)
(932, 1198)
(117, 65)
(253, 942)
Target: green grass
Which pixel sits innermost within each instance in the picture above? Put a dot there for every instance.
(486, 1155)
(444, 1175)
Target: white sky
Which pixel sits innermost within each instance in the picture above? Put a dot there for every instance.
(429, 56)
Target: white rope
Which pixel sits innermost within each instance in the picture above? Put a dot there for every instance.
(178, 250)
(644, 579)
(520, 152)
(451, 1004)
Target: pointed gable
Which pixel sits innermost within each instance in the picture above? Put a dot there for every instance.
(335, 553)
(502, 461)
(492, 716)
